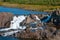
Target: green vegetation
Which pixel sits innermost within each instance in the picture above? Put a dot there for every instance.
(35, 2)
(39, 5)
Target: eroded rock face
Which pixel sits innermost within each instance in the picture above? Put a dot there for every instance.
(49, 33)
(5, 19)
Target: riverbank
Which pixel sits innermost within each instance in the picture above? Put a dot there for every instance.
(30, 7)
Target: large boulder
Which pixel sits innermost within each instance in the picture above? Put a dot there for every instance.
(30, 19)
(5, 19)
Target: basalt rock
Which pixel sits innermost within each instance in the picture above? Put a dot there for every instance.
(5, 19)
(29, 19)
(47, 34)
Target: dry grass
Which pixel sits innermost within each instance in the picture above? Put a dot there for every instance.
(30, 7)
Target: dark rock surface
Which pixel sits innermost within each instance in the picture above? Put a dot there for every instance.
(50, 33)
(5, 19)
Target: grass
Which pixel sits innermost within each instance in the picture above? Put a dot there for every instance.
(36, 2)
(30, 7)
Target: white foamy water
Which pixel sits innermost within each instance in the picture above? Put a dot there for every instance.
(15, 25)
(10, 33)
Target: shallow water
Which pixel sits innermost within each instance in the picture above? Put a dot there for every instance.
(19, 11)
(8, 38)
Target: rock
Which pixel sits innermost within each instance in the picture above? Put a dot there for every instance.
(56, 17)
(46, 34)
(29, 34)
(30, 19)
(5, 19)
(49, 33)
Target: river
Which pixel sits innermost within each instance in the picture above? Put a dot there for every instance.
(19, 11)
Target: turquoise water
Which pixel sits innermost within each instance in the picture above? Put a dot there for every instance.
(19, 11)
(8, 38)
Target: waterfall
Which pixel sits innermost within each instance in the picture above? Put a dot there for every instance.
(15, 25)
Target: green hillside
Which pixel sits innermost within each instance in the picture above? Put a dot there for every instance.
(35, 2)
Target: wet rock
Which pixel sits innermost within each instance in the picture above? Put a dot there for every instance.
(27, 21)
(56, 17)
(30, 34)
(30, 19)
(46, 34)
(5, 19)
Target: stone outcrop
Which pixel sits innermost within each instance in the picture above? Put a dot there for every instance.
(5, 19)
(49, 33)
